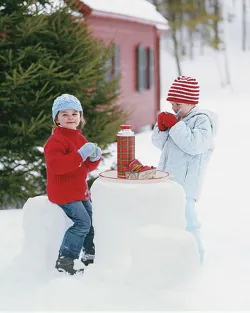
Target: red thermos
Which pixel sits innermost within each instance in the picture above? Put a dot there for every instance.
(125, 149)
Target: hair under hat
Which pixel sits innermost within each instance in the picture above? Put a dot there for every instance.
(65, 102)
(184, 89)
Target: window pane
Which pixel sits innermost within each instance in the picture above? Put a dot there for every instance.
(141, 68)
(150, 67)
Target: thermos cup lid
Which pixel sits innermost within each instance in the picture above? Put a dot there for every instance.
(125, 127)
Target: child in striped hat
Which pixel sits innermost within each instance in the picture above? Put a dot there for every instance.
(186, 141)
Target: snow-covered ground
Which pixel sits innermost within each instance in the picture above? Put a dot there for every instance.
(223, 208)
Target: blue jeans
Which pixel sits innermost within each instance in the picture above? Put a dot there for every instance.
(193, 225)
(81, 234)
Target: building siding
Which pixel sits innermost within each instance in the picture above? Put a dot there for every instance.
(143, 105)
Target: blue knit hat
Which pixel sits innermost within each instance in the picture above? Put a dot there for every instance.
(65, 102)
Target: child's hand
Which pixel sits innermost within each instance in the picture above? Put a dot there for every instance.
(86, 150)
(169, 120)
(98, 154)
(161, 126)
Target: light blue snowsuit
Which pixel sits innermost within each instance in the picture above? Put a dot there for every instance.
(186, 150)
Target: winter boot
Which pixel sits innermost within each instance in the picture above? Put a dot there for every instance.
(65, 264)
(87, 259)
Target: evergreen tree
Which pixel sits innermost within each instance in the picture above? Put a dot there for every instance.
(42, 56)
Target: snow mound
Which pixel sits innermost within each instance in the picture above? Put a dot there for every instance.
(140, 231)
(44, 225)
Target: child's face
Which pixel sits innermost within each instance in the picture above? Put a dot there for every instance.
(68, 118)
(185, 108)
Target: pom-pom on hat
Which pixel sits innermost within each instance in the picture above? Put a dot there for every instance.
(65, 102)
(184, 89)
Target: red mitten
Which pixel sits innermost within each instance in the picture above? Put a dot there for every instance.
(160, 121)
(169, 120)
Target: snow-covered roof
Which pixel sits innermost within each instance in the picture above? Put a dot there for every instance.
(139, 9)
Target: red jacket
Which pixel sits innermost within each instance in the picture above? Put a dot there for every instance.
(66, 171)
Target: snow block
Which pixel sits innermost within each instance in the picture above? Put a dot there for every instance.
(161, 257)
(138, 202)
(44, 225)
(122, 212)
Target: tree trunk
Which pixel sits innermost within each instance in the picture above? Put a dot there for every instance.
(176, 52)
(191, 44)
(244, 25)
(216, 24)
(228, 80)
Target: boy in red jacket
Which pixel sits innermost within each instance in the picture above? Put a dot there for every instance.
(69, 157)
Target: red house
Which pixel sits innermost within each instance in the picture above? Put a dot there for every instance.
(135, 27)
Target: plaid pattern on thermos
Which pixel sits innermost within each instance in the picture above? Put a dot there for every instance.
(125, 149)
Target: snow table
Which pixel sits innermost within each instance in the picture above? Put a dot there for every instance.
(140, 229)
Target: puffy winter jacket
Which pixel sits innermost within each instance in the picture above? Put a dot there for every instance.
(187, 148)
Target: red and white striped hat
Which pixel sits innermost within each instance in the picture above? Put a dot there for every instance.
(184, 89)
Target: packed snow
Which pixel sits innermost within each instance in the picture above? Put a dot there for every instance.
(140, 9)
